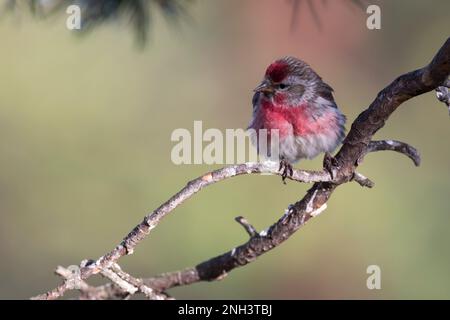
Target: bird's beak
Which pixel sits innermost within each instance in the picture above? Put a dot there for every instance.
(264, 87)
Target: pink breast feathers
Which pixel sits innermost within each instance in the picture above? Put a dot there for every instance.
(291, 120)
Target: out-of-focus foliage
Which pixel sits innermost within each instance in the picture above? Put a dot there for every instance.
(95, 12)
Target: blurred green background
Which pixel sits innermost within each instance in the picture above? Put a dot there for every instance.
(85, 125)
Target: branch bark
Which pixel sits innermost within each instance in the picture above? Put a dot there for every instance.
(355, 147)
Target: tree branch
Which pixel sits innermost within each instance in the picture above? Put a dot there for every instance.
(394, 145)
(356, 145)
(247, 226)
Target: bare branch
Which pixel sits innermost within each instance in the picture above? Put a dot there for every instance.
(131, 284)
(363, 181)
(55, 293)
(125, 285)
(246, 225)
(394, 145)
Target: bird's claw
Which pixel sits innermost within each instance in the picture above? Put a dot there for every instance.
(286, 169)
(443, 95)
(330, 164)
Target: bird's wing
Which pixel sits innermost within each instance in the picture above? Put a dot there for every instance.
(255, 99)
(255, 104)
(326, 92)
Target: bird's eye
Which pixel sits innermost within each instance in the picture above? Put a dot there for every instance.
(282, 86)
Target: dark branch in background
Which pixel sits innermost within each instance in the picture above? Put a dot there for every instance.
(96, 12)
(356, 146)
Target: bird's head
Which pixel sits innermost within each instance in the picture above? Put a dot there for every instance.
(289, 81)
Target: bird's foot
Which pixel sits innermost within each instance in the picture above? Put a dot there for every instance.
(286, 169)
(330, 164)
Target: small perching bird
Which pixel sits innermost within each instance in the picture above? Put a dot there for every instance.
(294, 100)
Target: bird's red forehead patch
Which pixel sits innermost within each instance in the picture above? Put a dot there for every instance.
(277, 71)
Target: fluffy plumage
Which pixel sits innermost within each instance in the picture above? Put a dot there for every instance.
(293, 99)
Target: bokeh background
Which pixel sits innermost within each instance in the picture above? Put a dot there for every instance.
(85, 125)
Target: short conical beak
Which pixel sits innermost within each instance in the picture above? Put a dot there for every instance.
(264, 87)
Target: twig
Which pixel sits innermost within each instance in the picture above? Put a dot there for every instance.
(394, 145)
(363, 181)
(87, 292)
(131, 284)
(121, 283)
(247, 226)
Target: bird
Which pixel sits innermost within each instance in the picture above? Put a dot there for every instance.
(293, 99)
